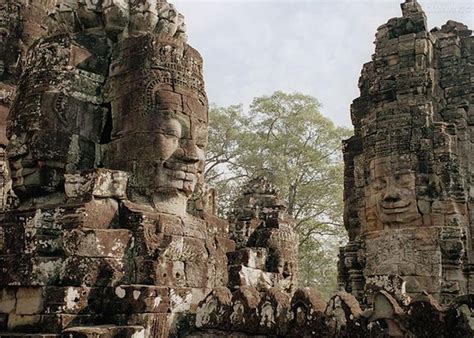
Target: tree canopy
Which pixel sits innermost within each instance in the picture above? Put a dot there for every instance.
(285, 137)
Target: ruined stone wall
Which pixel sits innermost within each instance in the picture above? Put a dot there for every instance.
(408, 168)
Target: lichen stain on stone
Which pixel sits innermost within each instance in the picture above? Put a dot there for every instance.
(120, 292)
(71, 298)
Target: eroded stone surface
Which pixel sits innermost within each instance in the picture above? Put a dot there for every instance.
(267, 244)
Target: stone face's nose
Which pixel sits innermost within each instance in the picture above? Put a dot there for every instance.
(189, 151)
(392, 194)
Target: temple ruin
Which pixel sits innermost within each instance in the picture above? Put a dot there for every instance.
(108, 230)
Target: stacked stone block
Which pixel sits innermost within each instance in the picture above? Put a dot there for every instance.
(266, 254)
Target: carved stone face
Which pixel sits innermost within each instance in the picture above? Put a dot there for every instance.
(46, 142)
(179, 154)
(391, 193)
(164, 148)
(50, 131)
(36, 171)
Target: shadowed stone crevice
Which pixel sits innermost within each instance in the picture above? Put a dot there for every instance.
(106, 135)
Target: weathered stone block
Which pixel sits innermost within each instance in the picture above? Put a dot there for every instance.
(104, 331)
(245, 276)
(18, 322)
(99, 183)
(29, 301)
(89, 271)
(137, 299)
(97, 242)
(100, 213)
(73, 300)
(251, 257)
(7, 300)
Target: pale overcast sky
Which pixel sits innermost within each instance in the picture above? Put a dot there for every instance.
(254, 47)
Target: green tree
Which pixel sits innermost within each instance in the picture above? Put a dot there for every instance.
(222, 161)
(285, 137)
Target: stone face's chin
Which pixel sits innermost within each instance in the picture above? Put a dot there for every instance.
(24, 173)
(35, 177)
(23, 176)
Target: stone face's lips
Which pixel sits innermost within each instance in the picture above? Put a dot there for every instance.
(395, 208)
(182, 175)
(181, 172)
(177, 166)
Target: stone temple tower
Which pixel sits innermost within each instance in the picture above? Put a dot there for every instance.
(409, 168)
(106, 139)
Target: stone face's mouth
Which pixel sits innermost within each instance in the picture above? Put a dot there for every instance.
(395, 208)
(182, 175)
(188, 168)
(182, 171)
(20, 169)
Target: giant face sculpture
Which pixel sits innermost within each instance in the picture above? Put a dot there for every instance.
(391, 193)
(180, 153)
(164, 150)
(172, 146)
(160, 119)
(55, 122)
(44, 144)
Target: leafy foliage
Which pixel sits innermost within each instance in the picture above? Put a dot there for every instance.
(285, 138)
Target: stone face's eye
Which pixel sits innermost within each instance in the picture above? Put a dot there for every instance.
(172, 133)
(379, 184)
(404, 179)
(171, 128)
